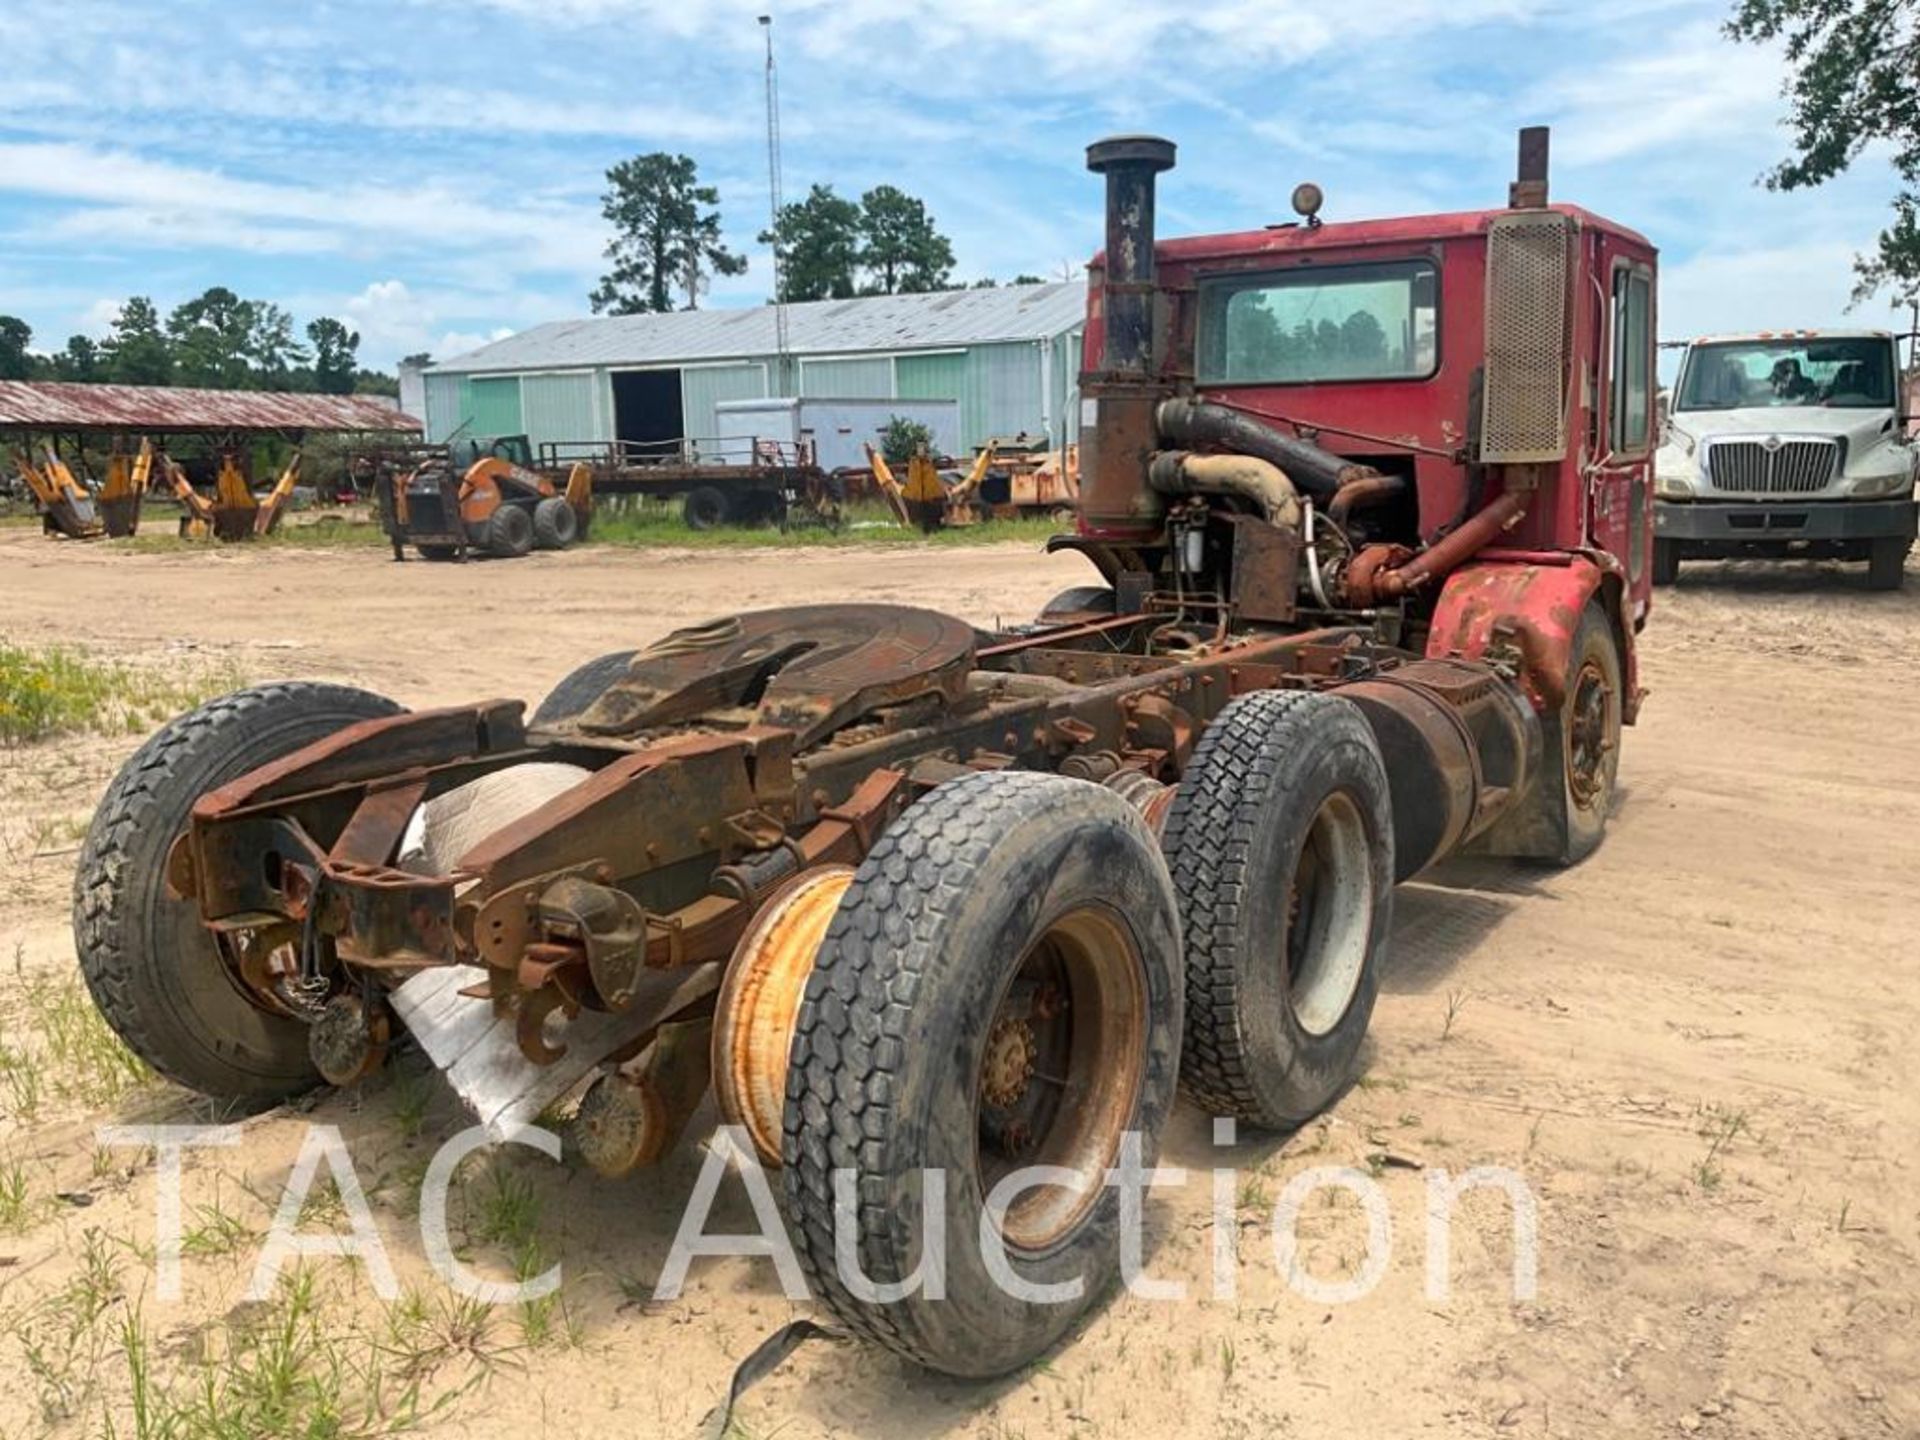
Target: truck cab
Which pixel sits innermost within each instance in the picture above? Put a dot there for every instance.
(1787, 444)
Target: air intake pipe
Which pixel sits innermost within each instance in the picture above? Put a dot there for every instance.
(1260, 482)
(1196, 423)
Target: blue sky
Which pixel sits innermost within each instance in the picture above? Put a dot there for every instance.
(429, 170)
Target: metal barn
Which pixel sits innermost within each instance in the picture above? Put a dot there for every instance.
(1010, 356)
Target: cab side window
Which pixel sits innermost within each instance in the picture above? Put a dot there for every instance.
(1631, 390)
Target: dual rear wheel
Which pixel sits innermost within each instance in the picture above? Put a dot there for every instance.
(1003, 987)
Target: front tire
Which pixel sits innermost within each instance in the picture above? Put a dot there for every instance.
(155, 972)
(509, 532)
(1666, 562)
(1583, 756)
(1280, 840)
(1887, 564)
(1000, 987)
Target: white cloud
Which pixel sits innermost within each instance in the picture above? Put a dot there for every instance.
(1800, 285)
(394, 319)
(437, 178)
(459, 342)
(149, 201)
(99, 318)
(390, 318)
(1689, 93)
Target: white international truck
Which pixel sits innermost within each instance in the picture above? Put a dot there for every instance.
(1788, 444)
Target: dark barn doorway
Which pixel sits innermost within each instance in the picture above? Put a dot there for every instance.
(646, 406)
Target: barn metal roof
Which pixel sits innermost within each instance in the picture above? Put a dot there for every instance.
(874, 323)
(36, 405)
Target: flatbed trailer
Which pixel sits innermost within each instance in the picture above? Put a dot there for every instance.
(720, 482)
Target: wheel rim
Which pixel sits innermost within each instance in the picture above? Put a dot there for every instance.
(1063, 1064)
(1589, 736)
(760, 999)
(1329, 915)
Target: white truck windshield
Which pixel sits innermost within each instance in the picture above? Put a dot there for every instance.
(1750, 374)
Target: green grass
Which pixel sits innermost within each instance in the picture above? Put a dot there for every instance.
(16, 1201)
(329, 533)
(51, 690)
(61, 1337)
(651, 525)
(289, 1369)
(85, 1060)
(58, 1045)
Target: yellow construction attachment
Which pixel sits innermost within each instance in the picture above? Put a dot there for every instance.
(961, 503)
(889, 487)
(237, 515)
(64, 504)
(268, 516)
(580, 491)
(126, 485)
(196, 512)
(233, 502)
(925, 499)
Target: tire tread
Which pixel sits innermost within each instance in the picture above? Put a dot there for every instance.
(105, 944)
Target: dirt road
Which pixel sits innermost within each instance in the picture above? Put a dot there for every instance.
(1695, 1049)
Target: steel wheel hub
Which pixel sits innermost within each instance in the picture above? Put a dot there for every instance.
(1589, 738)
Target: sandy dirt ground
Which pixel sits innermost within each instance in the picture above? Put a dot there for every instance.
(1696, 1048)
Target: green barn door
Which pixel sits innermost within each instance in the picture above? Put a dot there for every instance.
(496, 407)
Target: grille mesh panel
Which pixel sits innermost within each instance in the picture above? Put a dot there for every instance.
(427, 512)
(1523, 415)
(1793, 467)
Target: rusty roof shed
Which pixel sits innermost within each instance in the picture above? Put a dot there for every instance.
(54, 407)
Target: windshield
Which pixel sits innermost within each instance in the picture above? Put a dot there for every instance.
(1746, 374)
(1355, 322)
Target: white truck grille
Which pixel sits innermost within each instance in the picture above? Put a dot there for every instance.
(1772, 467)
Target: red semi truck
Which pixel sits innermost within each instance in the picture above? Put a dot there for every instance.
(1369, 502)
(1465, 405)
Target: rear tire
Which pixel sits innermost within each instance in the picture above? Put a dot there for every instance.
(705, 508)
(509, 532)
(154, 971)
(1666, 562)
(1887, 564)
(555, 525)
(1000, 986)
(1280, 840)
(580, 689)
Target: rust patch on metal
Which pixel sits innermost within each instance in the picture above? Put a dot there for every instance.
(349, 1040)
(38, 405)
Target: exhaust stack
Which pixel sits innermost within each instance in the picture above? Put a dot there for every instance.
(1529, 188)
(1130, 163)
(1117, 436)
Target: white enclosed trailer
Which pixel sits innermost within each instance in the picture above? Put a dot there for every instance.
(839, 430)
